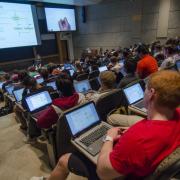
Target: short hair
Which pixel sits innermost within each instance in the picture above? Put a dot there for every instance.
(130, 65)
(65, 86)
(142, 49)
(114, 59)
(167, 86)
(108, 78)
(44, 73)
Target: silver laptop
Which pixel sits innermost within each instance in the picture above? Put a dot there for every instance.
(134, 95)
(38, 102)
(9, 88)
(39, 80)
(82, 86)
(52, 84)
(86, 128)
(103, 68)
(18, 94)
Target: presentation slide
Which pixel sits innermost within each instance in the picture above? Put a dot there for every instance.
(59, 19)
(17, 26)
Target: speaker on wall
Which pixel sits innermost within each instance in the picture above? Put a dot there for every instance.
(83, 14)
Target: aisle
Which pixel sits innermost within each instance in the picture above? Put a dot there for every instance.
(20, 161)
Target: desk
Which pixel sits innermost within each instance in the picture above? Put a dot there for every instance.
(132, 110)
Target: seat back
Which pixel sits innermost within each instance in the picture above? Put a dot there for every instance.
(93, 74)
(95, 85)
(108, 102)
(82, 77)
(168, 168)
(63, 138)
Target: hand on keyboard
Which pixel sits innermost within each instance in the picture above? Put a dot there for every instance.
(115, 133)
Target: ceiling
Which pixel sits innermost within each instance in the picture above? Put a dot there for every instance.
(70, 2)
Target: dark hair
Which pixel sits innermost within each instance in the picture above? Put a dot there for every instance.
(65, 86)
(29, 82)
(142, 49)
(7, 77)
(170, 49)
(44, 73)
(130, 65)
(113, 59)
(22, 75)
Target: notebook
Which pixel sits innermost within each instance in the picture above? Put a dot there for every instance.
(9, 88)
(82, 86)
(18, 94)
(38, 102)
(52, 84)
(134, 95)
(102, 68)
(40, 80)
(86, 128)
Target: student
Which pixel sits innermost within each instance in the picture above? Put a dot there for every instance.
(147, 64)
(138, 151)
(69, 98)
(107, 81)
(130, 68)
(114, 65)
(7, 81)
(79, 70)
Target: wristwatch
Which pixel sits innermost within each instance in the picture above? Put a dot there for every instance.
(108, 138)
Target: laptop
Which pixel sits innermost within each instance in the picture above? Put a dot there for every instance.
(52, 84)
(9, 88)
(178, 65)
(71, 71)
(82, 86)
(38, 102)
(40, 80)
(18, 94)
(1, 84)
(86, 128)
(103, 68)
(134, 95)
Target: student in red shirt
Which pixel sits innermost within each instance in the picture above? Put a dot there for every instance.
(147, 64)
(138, 151)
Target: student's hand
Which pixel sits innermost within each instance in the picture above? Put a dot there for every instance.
(115, 133)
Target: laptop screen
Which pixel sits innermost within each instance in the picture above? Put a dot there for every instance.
(134, 93)
(40, 80)
(39, 100)
(1, 84)
(9, 89)
(82, 118)
(82, 86)
(103, 68)
(52, 84)
(178, 65)
(18, 94)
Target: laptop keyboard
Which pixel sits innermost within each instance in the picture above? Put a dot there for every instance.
(140, 104)
(93, 136)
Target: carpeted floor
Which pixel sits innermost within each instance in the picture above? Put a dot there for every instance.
(20, 161)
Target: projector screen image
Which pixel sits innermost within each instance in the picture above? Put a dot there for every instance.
(59, 19)
(18, 25)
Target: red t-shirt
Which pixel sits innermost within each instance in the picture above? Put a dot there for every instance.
(146, 66)
(139, 150)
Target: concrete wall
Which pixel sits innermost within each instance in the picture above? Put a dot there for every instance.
(114, 23)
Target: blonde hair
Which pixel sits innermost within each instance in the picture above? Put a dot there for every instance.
(108, 78)
(167, 86)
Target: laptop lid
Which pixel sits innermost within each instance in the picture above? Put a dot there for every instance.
(9, 88)
(82, 86)
(134, 93)
(38, 101)
(1, 84)
(82, 118)
(178, 65)
(52, 84)
(102, 68)
(40, 80)
(18, 94)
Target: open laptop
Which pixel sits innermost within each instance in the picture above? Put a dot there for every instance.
(103, 68)
(38, 102)
(18, 94)
(1, 84)
(82, 86)
(9, 88)
(86, 128)
(52, 84)
(134, 95)
(39, 80)
(178, 65)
